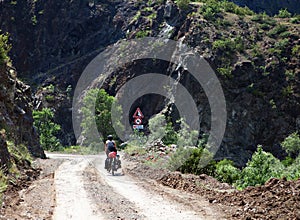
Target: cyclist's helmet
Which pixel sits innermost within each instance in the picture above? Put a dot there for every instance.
(110, 137)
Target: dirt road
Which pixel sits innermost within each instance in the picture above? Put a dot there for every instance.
(84, 190)
(78, 187)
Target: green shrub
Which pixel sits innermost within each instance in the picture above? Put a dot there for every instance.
(20, 152)
(296, 50)
(183, 4)
(142, 34)
(277, 30)
(292, 172)
(185, 136)
(263, 18)
(223, 23)
(290, 75)
(137, 139)
(227, 172)
(225, 71)
(285, 34)
(4, 48)
(279, 47)
(260, 169)
(256, 51)
(229, 46)
(283, 13)
(282, 44)
(287, 161)
(49, 98)
(210, 9)
(291, 144)
(171, 136)
(50, 88)
(264, 26)
(233, 8)
(287, 91)
(34, 20)
(295, 20)
(47, 129)
(192, 160)
(157, 127)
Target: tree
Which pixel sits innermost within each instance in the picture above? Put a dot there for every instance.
(47, 129)
(104, 103)
(291, 144)
(101, 114)
(260, 168)
(88, 118)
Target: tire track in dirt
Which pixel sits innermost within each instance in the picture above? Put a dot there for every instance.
(72, 201)
(150, 204)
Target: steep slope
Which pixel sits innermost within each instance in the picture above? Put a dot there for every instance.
(60, 39)
(16, 122)
(256, 58)
(270, 6)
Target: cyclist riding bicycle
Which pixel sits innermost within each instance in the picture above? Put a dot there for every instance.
(110, 146)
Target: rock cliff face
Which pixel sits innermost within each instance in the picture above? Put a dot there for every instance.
(59, 40)
(270, 6)
(258, 67)
(16, 120)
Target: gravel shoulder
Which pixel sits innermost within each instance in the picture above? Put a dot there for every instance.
(32, 196)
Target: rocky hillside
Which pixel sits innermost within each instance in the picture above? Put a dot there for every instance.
(256, 57)
(16, 122)
(270, 6)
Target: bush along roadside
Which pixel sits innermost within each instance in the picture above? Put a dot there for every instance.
(18, 168)
(260, 168)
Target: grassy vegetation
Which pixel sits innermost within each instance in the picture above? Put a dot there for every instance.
(229, 46)
(277, 30)
(19, 156)
(4, 48)
(79, 150)
(3, 184)
(283, 13)
(263, 18)
(142, 33)
(135, 150)
(20, 152)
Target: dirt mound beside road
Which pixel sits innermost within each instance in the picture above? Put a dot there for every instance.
(277, 199)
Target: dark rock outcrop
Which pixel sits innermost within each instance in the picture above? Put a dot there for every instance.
(16, 122)
(4, 154)
(59, 40)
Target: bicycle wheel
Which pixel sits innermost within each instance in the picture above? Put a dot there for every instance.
(113, 167)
